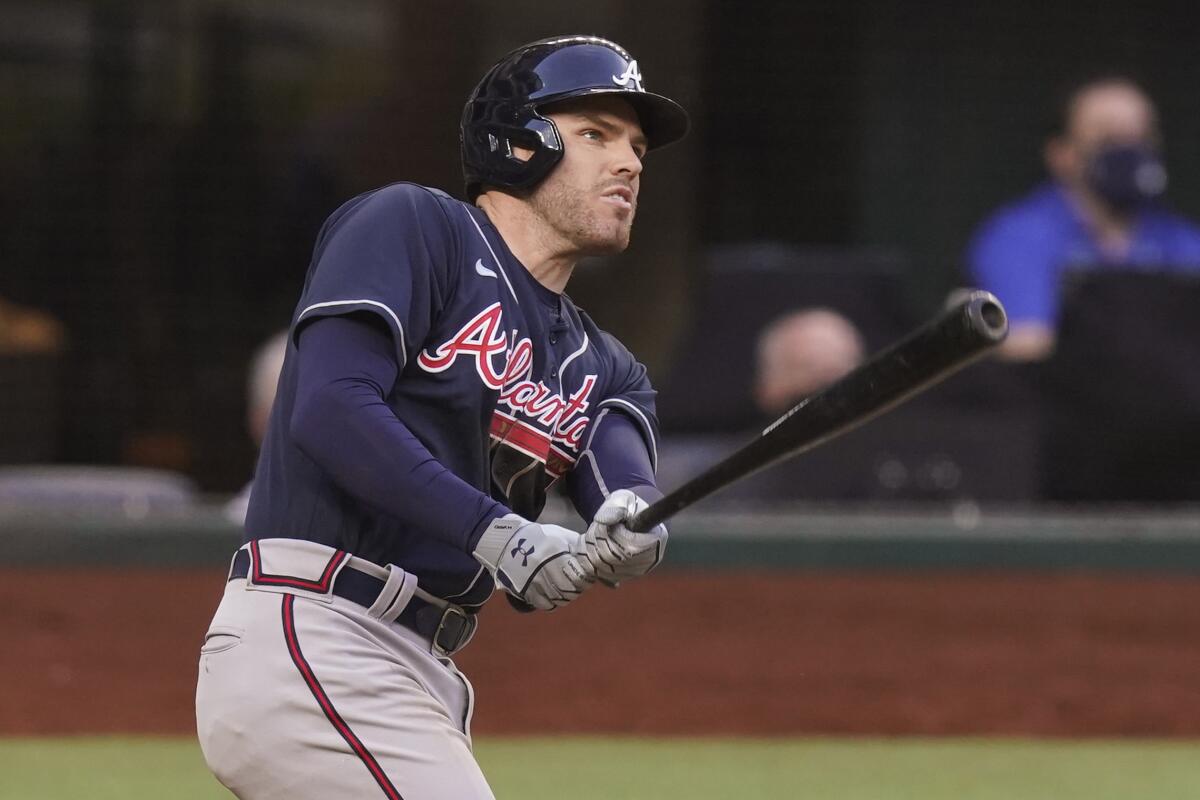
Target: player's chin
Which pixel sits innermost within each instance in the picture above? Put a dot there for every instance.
(603, 241)
(616, 235)
(620, 239)
(609, 245)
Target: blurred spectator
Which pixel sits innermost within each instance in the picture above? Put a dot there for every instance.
(825, 309)
(31, 347)
(739, 289)
(264, 377)
(262, 380)
(1100, 210)
(963, 443)
(26, 330)
(801, 353)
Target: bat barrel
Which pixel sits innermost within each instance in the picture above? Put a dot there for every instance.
(926, 356)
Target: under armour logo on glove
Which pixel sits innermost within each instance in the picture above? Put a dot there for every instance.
(548, 573)
(524, 553)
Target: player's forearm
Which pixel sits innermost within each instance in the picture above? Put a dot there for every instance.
(615, 457)
(342, 423)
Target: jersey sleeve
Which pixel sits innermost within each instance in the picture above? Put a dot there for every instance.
(342, 422)
(614, 457)
(621, 441)
(387, 253)
(628, 391)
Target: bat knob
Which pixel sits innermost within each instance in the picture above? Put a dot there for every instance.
(986, 316)
(518, 604)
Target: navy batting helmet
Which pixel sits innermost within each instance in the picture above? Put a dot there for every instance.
(505, 108)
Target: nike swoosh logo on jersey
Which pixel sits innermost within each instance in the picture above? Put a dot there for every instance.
(482, 270)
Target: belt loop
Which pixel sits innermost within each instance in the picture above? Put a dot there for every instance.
(397, 590)
(288, 565)
(241, 552)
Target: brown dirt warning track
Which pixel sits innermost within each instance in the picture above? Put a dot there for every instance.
(765, 653)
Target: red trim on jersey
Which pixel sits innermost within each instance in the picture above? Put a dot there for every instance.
(559, 463)
(320, 585)
(520, 435)
(527, 438)
(532, 442)
(331, 713)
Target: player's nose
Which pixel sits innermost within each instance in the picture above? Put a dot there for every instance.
(626, 162)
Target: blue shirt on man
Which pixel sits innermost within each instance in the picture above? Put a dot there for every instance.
(1021, 252)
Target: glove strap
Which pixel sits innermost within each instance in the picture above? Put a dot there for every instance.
(491, 544)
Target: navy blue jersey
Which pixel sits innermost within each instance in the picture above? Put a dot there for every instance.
(499, 379)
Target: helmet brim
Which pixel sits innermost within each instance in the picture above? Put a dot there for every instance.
(663, 120)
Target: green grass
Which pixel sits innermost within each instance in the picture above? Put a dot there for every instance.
(666, 769)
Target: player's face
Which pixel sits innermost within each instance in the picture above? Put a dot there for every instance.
(590, 197)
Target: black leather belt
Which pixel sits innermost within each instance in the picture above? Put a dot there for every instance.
(447, 629)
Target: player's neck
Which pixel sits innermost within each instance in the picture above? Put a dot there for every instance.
(546, 255)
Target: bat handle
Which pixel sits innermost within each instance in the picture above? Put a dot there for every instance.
(648, 517)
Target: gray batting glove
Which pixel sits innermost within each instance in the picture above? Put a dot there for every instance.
(544, 565)
(616, 552)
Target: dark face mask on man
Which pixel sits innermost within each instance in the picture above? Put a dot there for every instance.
(1126, 177)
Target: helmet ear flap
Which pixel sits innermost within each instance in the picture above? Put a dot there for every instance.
(534, 133)
(546, 143)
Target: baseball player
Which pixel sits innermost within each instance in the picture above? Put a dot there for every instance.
(437, 381)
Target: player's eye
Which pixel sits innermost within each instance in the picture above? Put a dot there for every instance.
(592, 133)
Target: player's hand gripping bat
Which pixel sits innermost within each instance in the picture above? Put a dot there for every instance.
(937, 349)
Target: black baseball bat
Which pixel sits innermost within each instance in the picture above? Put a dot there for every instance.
(937, 349)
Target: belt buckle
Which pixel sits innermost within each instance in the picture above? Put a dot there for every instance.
(454, 631)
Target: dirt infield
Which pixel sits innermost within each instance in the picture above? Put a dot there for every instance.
(681, 653)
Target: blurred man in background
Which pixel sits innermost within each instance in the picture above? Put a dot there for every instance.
(801, 353)
(261, 381)
(1096, 276)
(31, 346)
(1098, 211)
(28, 330)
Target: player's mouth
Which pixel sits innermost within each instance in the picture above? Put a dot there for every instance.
(619, 196)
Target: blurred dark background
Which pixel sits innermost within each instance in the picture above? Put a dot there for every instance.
(166, 165)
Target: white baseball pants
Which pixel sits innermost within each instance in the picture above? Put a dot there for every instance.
(306, 695)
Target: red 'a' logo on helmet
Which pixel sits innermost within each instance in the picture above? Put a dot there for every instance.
(482, 339)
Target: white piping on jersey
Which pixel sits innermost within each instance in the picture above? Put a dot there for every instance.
(392, 314)
(534, 462)
(562, 368)
(646, 424)
(470, 585)
(562, 377)
(587, 453)
(494, 258)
